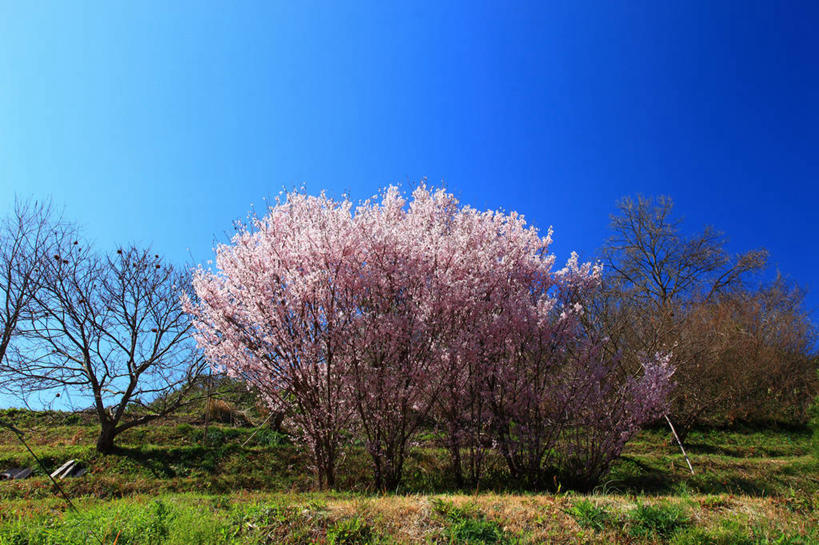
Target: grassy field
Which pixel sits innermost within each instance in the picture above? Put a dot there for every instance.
(751, 486)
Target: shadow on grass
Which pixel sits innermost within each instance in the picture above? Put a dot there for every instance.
(719, 450)
(164, 462)
(633, 475)
(155, 461)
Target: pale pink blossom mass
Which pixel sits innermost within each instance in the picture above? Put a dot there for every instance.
(374, 320)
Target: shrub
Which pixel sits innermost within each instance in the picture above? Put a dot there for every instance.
(219, 410)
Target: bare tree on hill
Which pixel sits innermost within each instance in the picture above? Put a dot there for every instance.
(111, 329)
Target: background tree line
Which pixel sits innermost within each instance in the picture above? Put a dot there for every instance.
(744, 348)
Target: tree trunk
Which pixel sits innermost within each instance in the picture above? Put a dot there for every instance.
(391, 479)
(277, 421)
(475, 464)
(377, 473)
(455, 458)
(330, 475)
(105, 441)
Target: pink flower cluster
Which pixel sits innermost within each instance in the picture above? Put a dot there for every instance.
(375, 320)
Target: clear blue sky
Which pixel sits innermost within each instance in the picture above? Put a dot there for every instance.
(161, 122)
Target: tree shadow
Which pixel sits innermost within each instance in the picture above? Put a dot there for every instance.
(648, 480)
(158, 462)
(719, 450)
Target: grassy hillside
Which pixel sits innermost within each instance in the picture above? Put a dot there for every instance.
(751, 486)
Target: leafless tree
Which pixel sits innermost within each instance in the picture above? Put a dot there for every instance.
(659, 265)
(657, 277)
(112, 330)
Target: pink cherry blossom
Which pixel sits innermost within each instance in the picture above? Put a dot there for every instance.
(370, 321)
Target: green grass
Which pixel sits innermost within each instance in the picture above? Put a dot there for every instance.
(155, 522)
(658, 521)
(589, 516)
(343, 519)
(351, 531)
(468, 525)
(172, 458)
(169, 486)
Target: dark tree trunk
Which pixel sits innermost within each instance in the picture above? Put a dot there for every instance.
(475, 464)
(455, 458)
(277, 421)
(391, 478)
(377, 477)
(330, 476)
(105, 441)
(393, 471)
(325, 458)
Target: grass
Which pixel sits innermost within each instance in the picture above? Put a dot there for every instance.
(354, 519)
(754, 486)
(658, 521)
(351, 531)
(589, 516)
(468, 525)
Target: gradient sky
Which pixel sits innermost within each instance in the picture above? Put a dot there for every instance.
(161, 122)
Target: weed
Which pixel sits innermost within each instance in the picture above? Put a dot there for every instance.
(477, 531)
(351, 531)
(800, 502)
(771, 536)
(468, 526)
(588, 515)
(715, 503)
(659, 520)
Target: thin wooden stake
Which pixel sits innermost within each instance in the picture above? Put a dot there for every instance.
(258, 428)
(677, 437)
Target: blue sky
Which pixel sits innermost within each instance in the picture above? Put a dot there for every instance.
(161, 122)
